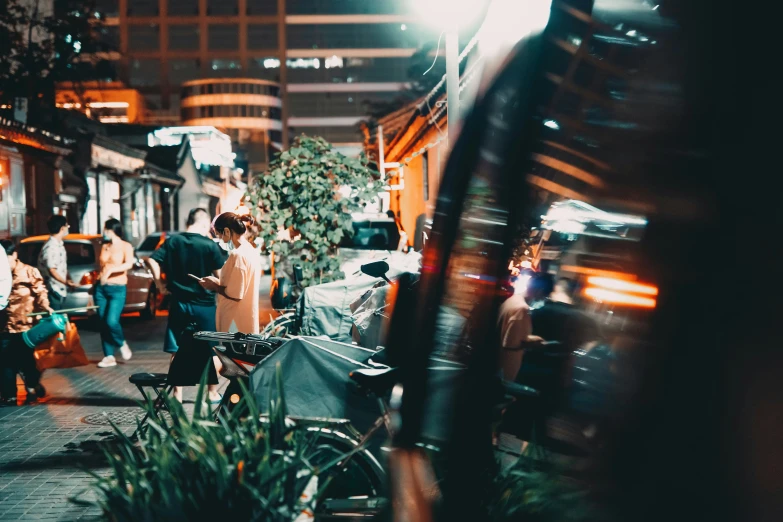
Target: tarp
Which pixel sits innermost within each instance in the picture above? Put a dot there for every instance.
(326, 308)
(316, 384)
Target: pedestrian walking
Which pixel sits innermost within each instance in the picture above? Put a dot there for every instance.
(182, 256)
(27, 295)
(116, 259)
(53, 262)
(240, 278)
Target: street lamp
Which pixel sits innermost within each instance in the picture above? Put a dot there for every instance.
(506, 23)
(449, 16)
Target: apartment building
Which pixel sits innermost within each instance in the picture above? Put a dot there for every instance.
(329, 57)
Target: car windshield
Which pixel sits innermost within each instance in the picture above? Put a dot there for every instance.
(373, 235)
(149, 243)
(78, 252)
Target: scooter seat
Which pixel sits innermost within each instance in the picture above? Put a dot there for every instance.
(375, 380)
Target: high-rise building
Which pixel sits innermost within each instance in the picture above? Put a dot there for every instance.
(329, 57)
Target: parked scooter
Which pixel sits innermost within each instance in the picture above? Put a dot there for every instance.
(240, 353)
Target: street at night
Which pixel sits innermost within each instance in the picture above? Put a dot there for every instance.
(389, 261)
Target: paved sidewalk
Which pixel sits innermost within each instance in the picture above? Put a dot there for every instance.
(45, 447)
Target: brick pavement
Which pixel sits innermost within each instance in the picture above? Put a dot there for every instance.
(45, 447)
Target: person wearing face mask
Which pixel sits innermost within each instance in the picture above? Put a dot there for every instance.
(240, 277)
(180, 257)
(110, 291)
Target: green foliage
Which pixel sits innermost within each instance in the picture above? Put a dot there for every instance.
(535, 490)
(300, 193)
(42, 47)
(242, 467)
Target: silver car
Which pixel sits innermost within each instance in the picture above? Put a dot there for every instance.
(83, 252)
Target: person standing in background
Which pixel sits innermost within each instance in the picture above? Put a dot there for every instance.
(240, 277)
(181, 255)
(116, 259)
(53, 262)
(5, 281)
(28, 294)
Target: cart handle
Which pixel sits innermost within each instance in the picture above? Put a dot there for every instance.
(64, 311)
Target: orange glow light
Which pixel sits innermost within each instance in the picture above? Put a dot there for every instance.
(608, 296)
(597, 272)
(622, 286)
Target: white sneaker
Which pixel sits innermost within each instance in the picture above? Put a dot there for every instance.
(125, 351)
(107, 362)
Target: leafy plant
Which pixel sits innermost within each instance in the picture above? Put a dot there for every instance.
(535, 490)
(242, 467)
(311, 190)
(45, 43)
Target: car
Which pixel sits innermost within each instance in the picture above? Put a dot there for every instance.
(83, 252)
(375, 237)
(151, 243)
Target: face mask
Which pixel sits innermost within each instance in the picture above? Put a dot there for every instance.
(106, 238)
(227, 246)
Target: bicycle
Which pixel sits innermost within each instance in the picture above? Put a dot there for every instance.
(358, 484)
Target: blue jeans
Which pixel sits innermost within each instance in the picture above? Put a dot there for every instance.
(56, 301)
(110, 300)
(183, 314)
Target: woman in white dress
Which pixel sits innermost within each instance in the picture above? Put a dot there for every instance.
(240, 277)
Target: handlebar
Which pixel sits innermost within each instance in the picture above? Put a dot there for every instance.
(240, 343)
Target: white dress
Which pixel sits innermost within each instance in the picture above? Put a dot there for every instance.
(241, 275)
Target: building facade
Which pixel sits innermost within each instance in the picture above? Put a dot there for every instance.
(108, 102)
(37, 180)
(329, 57)
(250, 111)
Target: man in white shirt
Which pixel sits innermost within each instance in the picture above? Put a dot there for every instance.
(53, 262)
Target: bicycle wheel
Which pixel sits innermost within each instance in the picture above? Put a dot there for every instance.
(359, 489)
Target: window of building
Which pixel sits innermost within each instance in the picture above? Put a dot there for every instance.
(262, 36)
(183, 7)
(338, 69)
(144, 37)
(223, 37)
(109, 38)
(106, 8)
(181, 71)
(222, 7)
(143, 8)
(342, 7)
(336, 104)
(261, 7)
(184, 37)
(256, 68)
(350, 36)
(144, 73)
(154, 102)
(225, 67)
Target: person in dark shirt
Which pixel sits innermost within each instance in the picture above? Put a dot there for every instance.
(191, 252)
(558, 319)
(555, 318)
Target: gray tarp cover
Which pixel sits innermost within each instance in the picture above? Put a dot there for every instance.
(326, 309)
(316, 384)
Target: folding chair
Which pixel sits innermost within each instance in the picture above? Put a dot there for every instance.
(158, 383)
